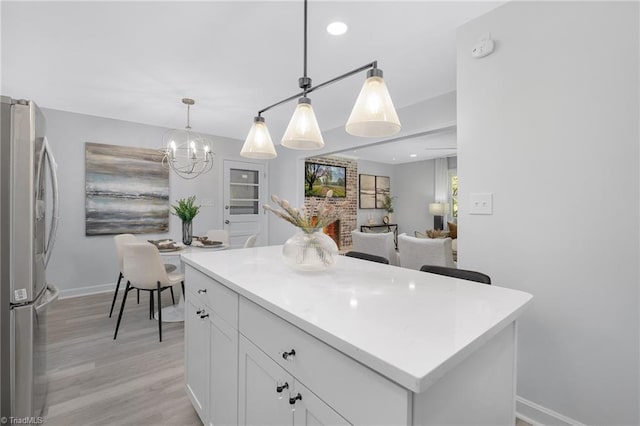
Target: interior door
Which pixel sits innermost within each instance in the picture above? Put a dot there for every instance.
(244, 194)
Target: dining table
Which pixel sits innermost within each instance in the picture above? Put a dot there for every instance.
(175, 313)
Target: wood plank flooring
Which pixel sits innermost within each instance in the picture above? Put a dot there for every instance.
(134, 380)
(95, 380)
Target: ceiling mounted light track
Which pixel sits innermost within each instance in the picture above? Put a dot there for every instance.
(373, 114)
(187, 153)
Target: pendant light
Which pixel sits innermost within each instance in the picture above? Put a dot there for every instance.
(187, 153)
(258, 144)
(373, 114)
(303, 131)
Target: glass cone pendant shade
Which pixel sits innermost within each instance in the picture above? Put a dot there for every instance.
(373, 114)
(258, 143)
(303, 131)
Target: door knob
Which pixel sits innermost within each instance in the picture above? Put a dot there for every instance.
(226, 222)
(226, 207)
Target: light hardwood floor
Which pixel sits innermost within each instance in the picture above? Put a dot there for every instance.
(135, 380)
(95, 380)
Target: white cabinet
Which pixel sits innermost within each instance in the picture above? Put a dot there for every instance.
(223, 376)
(269, 395)
(211, 349)
(196, 360)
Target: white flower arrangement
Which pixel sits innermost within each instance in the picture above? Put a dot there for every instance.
(308, 219)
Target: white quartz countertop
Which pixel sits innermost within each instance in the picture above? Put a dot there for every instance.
(409, 326)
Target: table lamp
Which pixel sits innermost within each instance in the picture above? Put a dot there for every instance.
(438, 210)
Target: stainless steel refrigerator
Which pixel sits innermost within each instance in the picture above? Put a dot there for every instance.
(28, 223)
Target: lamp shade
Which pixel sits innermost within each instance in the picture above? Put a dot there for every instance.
(258, 144)
(303, 131)
(438, 209)
(373, 114)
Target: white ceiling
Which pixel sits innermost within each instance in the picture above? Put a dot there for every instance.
(135, 60)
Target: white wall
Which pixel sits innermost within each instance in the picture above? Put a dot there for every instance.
(376, 169)
(549, 124)
(415, 190)
(81, 264)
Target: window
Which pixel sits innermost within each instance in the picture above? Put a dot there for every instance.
(454, 192)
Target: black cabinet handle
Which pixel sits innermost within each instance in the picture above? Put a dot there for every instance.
(279, 389)
(293, 399)
(286, 355)
(202, 290)
(203, 316)
(198, 312)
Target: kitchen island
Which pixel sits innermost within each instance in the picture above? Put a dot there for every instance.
(361, 343)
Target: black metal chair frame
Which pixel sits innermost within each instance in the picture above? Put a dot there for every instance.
(464, 274)
(367, 256)
(159, 289)
(115, 295)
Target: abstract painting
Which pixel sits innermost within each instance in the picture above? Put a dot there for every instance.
(383, 189)
(367, 192)
(127, 190)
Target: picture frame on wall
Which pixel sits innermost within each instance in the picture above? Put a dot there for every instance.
(383, 190)
(367, 192)
(126, 190)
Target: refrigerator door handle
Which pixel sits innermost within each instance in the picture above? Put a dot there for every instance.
(55, 218)
(54, 292)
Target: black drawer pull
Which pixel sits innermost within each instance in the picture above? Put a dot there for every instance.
(279, 389)
(202, 290)
(203, 316)
(286, 355)
(293, 399)
(198, 312)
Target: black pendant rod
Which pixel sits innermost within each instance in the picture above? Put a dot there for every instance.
(305, 40)
(373, 64)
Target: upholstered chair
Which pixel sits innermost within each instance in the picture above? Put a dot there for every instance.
(415, 252)
(251, 241)
(143, 269)
(464, 274)
(376, 243)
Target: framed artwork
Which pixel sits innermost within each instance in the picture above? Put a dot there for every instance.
(367, 194)
(126, 190)
(320, 178)
(383, 189)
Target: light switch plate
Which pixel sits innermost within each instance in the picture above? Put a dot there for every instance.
(482, 203)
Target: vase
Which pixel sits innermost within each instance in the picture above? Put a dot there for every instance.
(187, 233)
(310, 250)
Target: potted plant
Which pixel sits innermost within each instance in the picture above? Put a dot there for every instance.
(387, 205)
(186, 210)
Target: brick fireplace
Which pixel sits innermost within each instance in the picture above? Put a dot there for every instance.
(340, 230)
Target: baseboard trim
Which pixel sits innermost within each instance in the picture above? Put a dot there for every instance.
(537, 415)
(85, 291)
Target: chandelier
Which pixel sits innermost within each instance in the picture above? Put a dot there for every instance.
(187, 153)
(373, 114)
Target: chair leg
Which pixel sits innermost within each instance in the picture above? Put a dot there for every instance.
(124, 299)
(151, 307)
(113, 302)
(138, 295)
(159, 311)
(173, 299)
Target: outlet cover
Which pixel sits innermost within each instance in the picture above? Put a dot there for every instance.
(482, 203)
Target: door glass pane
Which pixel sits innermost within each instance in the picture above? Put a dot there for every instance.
(244, 176)
(244, 207)
(247, 192)
(244, 191)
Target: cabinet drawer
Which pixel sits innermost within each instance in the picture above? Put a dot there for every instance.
(213, 295)
(359, 394)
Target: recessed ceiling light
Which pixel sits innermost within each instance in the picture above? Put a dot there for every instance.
(337, 28)
(413, 155)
